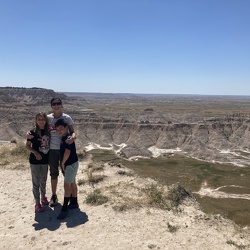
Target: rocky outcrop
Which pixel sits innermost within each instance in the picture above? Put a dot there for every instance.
(28, 96)
(206, 139)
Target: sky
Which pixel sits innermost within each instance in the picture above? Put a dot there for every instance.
(127, 46)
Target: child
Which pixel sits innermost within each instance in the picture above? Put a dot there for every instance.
(69, 165)
(39, 157)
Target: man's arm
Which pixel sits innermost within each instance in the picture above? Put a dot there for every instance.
(71, 138)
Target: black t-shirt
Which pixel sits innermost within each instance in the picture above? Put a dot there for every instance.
(72, 147)
(41, 145)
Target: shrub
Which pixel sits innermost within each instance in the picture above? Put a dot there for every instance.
(123, 172)
(80, 182)
(96, 198)
(177, 194)
(81, 155)
(121, 207)
(172, 228)
(239, 246)
(156, 196)
(93, 178)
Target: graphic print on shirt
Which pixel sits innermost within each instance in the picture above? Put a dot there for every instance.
(52, 128)
(44, 144)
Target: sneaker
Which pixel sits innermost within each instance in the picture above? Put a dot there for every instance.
(73, 206)
(44, 201)
(38, 208)
(63, 214)
(53, 200)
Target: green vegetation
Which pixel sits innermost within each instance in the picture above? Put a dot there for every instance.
(191, 174)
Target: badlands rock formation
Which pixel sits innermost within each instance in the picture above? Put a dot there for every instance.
(208, 128)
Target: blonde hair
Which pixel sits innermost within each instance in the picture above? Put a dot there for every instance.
(46, 128)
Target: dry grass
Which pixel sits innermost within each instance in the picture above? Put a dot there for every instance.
(127, 196)
(96, 198)
(125, 193)
(94, 178)
(122, 207)
(80, 182)
(124, 196)
(14, 155)
(238, 246)
(156, 196)
(81, 155)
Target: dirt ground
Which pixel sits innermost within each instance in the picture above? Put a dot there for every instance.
(102, 227)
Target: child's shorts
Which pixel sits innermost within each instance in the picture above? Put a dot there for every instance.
(70, 172)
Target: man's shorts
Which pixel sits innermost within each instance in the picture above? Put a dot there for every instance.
(70, 172)
(54, 161)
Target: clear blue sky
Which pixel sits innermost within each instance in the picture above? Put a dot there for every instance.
(127, 46)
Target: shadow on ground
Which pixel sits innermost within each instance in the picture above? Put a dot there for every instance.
(48, 219)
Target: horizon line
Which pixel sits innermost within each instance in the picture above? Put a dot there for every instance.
(129, 93)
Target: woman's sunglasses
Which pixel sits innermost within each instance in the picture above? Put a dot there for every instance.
(56, 103)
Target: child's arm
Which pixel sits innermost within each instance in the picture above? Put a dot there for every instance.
(29, 148)
(65, 158)
(29, 135)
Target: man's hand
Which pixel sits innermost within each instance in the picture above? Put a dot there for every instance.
(70, 140)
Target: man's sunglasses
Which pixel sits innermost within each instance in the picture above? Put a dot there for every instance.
(56, 103)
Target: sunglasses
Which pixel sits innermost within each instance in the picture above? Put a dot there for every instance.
(56, 103)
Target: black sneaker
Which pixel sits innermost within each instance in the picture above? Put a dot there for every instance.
(73, 206)
(53, 200)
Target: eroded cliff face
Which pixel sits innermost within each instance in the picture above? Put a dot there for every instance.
(140, 126)
(225, 139)
(18, 107)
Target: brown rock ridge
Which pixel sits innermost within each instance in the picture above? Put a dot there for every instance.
(28, 96)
